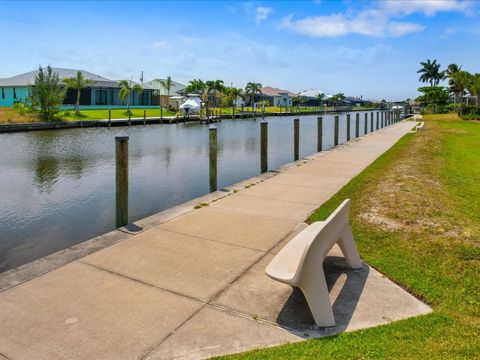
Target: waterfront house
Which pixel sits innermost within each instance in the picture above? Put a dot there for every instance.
(310, 97)
(277, 97)
(162, 96)
(103, 92)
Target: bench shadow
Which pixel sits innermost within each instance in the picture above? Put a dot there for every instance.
(296, 316)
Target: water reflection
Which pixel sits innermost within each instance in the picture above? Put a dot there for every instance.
(57, 187)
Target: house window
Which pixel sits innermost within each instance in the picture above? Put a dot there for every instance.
(3, 93)
(14, 93)
(100, 97)
(144, 98)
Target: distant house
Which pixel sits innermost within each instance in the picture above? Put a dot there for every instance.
(310, 97)
(277, 97)
(356, 101)
(102, 93)
(160, 94)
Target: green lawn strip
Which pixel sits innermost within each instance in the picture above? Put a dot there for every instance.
(437, 262)
(116, 114)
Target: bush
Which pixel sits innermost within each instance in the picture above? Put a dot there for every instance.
(469, 110)
(20, 108)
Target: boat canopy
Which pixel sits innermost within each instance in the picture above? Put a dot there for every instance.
(191, 105)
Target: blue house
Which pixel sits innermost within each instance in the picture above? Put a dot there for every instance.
(102, 92)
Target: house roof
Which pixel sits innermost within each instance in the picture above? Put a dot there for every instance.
(28, 78)
(313, 93)
(156, 85)
(271, 91)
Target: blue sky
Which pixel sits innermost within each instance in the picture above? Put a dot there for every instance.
(369, 48)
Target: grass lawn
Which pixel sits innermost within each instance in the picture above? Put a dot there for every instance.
(116, 114)
(416, 218)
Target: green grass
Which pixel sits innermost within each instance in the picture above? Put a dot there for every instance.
(116, 114)
(423, 195)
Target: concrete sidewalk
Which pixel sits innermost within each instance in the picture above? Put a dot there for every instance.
(194, 286)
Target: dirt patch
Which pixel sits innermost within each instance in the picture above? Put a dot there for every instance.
(411, 197)
(12, 116)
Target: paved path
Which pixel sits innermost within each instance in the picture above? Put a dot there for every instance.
(194, 286)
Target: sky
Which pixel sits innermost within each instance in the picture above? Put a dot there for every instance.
(361, 48)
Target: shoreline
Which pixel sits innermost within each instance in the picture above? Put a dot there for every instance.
(61, 125)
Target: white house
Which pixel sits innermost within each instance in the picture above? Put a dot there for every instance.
(277, 97)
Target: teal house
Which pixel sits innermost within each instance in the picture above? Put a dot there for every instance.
(102, 93)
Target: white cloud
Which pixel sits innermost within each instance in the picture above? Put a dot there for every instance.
(396, 28)
(380, 20)
(161, 45)
(261, 13)
(426, 7)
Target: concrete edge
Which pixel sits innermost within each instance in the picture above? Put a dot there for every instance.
(41, 266)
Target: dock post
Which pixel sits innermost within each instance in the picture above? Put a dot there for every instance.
(357, 125)
(366, 124)
(129, 117)
(109, 117)
(263, 146)
(348, 127)
(144, 116)
(319, 133)
(335, 139)
(212, 135)
(371, 121)
(161, 115)
(121, 179)
(296, 139)
(378, 119)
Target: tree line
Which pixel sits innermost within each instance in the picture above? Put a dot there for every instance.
(460, 84)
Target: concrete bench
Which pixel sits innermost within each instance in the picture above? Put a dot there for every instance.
(300, 262)
(420, 127)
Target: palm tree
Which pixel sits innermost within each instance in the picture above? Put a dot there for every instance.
(195, 86)
(430, 72)
(321, 98)
(126, 89)
(474, 88)
(167, 85)
(216, 86)
(337, 98)
(252, 89)
(234, 94)
(460, 81)
(448, 73)
(78, 82)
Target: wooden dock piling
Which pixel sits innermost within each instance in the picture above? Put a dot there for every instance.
(296, 139)
(263, 146)
(212, 135)
(121, 179)
(319, 133)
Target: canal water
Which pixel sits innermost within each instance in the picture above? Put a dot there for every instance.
(57, 188)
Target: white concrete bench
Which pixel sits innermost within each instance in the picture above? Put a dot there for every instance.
(300, 262)
(420, 127)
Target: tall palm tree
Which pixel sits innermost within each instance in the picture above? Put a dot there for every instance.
(337, 98)
(167, 84)
(474, 88)
(195, 86)
(126, 89)
(460, 81)
(321, 98)
(253, 89)
(78, 82)
(234, 94)
(448, 73)
(216, 86)
(430, 72)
